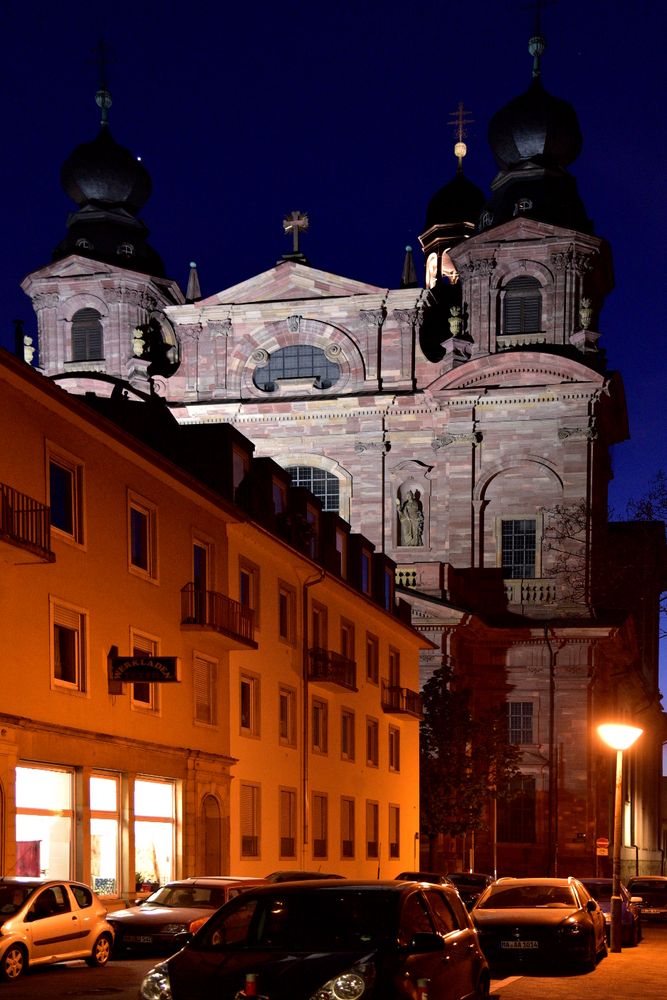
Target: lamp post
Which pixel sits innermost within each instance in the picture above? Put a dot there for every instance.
(619, 737)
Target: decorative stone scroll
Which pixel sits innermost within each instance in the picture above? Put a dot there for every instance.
(46, 300)
(578, 433)
(572, 260)
(361, 446)
(293, 323)
(190, 330)
(373, 317)
(407, 318)
(220, 327)
(444, 440)
(481, 268)
(333, 352)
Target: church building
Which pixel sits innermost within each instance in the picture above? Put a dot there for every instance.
(464, 424)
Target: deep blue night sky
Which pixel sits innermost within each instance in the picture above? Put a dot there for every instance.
(242, 113)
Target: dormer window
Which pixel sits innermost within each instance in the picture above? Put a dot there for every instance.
(125, 250)
(522, 205)
(522, 306)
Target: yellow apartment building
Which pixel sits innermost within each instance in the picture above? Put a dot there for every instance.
(202, 672)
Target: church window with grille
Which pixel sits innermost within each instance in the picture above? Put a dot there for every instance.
(522, 307)
(321, 484)
(87, 335)
(299, 361)
(519, 547)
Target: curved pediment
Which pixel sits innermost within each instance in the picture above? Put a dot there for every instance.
(516, 369)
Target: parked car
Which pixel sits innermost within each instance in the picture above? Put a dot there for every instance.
(653, 891)
(168, 918)
(50, 921)
(297, 876)
(631, 923)
(471, 885)
(540, 920)
(437, 878)
(331, 938)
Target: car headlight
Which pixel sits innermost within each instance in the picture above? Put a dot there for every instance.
(570, 926)
(156, 985)
(348, 985)
(174, 928)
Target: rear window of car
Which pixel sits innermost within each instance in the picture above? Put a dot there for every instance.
(324, 920)
(83, 895)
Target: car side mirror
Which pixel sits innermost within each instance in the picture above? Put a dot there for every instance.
(591, 906)
(636, 899)
(423, 941)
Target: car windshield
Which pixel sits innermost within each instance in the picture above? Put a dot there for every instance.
(521, 896)
(198, 896)
(12, 897)
(467, 880)
(638, 887)
(323, 920)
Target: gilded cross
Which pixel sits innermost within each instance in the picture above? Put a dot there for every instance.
(295, 223)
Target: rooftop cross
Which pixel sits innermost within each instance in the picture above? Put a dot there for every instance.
(102, 97)
(295, 223)
(459, 119)
(537, 44)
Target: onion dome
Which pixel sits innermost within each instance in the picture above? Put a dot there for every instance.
(110, 186)
(535, 128)
(457, 201)
(104, 171)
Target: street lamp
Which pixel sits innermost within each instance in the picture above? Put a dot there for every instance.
(619, 737)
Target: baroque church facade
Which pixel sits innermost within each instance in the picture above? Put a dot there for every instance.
(465, 427)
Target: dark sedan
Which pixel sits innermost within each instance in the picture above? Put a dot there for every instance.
(330, 939)
(471, 885)
(653, 891)
(166, 919)
(631, 924)
(540, 920)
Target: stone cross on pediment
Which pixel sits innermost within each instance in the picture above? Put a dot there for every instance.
(295, 223)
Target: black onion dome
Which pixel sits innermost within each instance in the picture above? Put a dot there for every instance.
(103, 171)
(458, 201)
(537, 128)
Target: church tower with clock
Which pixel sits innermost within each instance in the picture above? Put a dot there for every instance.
(465, 427)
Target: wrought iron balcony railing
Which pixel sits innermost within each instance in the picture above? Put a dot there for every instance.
(328, 667)
(401, 701)
(211, 610)
(25, 522)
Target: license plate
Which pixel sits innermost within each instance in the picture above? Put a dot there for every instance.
(139, 938)
(519, 944)
(651, 909)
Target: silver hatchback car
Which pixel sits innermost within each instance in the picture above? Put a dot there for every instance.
(50, 921)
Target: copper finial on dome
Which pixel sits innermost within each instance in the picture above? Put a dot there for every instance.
(103, 95)
(538, 43)
(459, 119)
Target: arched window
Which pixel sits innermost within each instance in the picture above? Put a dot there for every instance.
(212, 834)
(321, 484)
(87, 342)
(522, 311)
(300, 361)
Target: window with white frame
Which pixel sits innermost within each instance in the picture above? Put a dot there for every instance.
(142, 537)
(154, 830)
(320, 725)
(66, 496)
(104, 834)
(394, 831)
(287, 716)
(205, 687)
(144, 694)
(318, 626)
(346, 827)
(347, 734)
(372, 829)
(249, 704)
(287, 822)
(249, 587)
(320, 824)
(394, 668)
(44, 822)
(347, 639)
(250, 820)
(68, 647)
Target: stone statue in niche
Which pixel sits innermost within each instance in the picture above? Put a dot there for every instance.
(411, 519)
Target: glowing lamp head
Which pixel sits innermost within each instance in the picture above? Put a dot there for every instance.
(460, 149)
(619, 736)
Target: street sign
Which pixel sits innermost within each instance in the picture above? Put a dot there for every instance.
(602, 847)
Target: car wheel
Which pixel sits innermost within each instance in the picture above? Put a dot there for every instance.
(483, 987)
(14, 962)
(101, 952)
(590, 961)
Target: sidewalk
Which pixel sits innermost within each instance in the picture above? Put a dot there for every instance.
(633, 974)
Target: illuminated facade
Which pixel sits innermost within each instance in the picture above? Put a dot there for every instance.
(466, 429)
(164, 711)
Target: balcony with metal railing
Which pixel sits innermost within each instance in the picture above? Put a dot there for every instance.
(209, 610)
(329, 667)
(25, 527)
(401, 701)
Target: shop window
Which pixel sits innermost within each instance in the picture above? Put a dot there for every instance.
(104, 835)
(154, 830)
(44, 822)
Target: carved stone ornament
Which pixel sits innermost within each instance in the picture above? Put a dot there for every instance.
(293, 323)
(220, 328)
(481, 268)
(260, 357)
(578, 433)
(46, 300)
(444, 440)
(374, 317)
(407, 318)
(333, 352)
(585, 313)
(190, 330)
(362, 446)
(455, 320)
(572, 260)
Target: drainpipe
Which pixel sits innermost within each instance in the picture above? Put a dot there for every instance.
(552, 770)
(305, 812)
